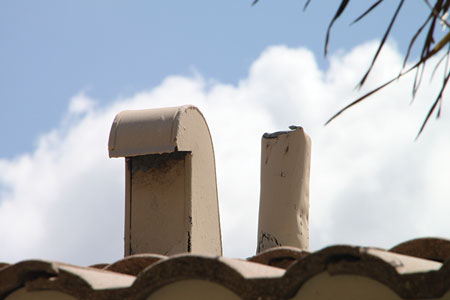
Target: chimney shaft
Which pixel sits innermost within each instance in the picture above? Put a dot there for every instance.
(284, 198)
(171, 194)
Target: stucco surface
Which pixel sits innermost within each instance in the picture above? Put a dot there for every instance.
(193, 290)
(284, 196)
(23, 294)
(348, 287)
(171, 190)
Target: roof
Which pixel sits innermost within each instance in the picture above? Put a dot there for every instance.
(417, 269)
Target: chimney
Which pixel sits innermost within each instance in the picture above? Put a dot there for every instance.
(284, 198)
(170, 190)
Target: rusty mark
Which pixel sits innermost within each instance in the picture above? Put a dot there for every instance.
(161, 162)
(267, 241)
(189, 242)
(274, 135)
(282, 262)
(157, 167)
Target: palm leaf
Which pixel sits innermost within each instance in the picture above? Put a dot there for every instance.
(386, 34)
(433, 107)
(365, 96)
(413, 40)
(367, 12)
(340, 10)
(306, 5)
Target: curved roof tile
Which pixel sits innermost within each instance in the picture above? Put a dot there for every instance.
(134, 264)
(400, 275)
(436, 249)
(280, 257)
(235, 275)
(79, 282)
(409, 277)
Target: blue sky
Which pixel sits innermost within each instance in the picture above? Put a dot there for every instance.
(68, 67)
(51, 50)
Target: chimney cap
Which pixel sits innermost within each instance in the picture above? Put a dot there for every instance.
(150, 131)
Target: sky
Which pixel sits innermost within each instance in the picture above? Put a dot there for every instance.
(69, 67)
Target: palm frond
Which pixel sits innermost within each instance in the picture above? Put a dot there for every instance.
(413, 40)
(383, 40)
(429, 48)
(365, 96)
(338, 13)
(433, 107)
(306, 5)
(366, 12)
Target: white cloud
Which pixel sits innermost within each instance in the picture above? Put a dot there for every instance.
(371, 183)
(80, 103)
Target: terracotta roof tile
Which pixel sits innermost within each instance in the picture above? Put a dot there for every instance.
(428, 248)
(78, 282)
(339, 271)
(280, 257)
(237, 276)
(99, 266)
(134, 264)
(409, 277)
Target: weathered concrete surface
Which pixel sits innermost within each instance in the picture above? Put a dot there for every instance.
(171, 192)
(284, 198)
(158, 196)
